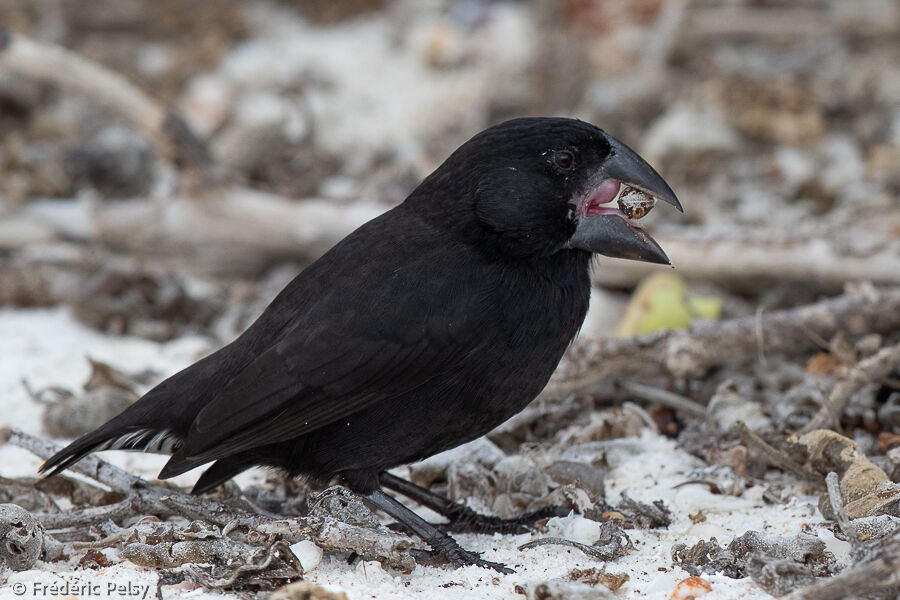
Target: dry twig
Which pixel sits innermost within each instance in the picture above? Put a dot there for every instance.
(777, 22)
(866, 371)
(675, 401)
(209, 582)
(87, 516)
(775, 457)
(833, 486)
(725, 261)
(877, 575)
(600, 553)
(147, 498)
(223, 231)
(170, 134)
(691, 352)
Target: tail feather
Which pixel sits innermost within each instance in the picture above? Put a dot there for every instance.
(153, 423)
(177, 465)
(77, 450)
(120, 438)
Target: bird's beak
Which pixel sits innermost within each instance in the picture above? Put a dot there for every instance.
(611, 233)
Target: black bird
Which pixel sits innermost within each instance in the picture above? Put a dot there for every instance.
(423, 329)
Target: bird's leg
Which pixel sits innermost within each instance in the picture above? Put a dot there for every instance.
(462, 518)
(440, 542)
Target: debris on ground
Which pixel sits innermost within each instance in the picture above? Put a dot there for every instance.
(731, 430)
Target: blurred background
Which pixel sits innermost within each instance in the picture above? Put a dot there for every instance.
(166, 167)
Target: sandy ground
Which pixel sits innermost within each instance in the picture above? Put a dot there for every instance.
(764, 136)
(48, 347)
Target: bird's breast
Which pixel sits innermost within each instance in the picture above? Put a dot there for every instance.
(535, 319)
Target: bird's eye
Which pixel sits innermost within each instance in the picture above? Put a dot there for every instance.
(564, 159)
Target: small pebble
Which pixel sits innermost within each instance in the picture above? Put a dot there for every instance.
(691, 588)
(309, 554)
(575, 528)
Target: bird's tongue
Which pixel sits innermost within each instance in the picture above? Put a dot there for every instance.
(605, 193)
(599, 202)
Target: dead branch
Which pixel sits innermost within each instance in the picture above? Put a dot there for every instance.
(90, 466)
(775, 23)
(107, 542)
(674, 401)
(876, 527)
(231, 228)
(866, 489)
(612, 542)
(87, 516)
(870, 370)
(592, 551)
(329, 533)
(775, 457)
(211, 583)
(147, 498)
(168, 132)
(646, 515)
(724, 261)
(336, 536)
(833, 486)
(740, 22)
(691, 352)
(228, 231)
(876, 575)
(642, 414)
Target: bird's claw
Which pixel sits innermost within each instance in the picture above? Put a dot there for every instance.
(473, 522)
(464, 558)
(454, 554)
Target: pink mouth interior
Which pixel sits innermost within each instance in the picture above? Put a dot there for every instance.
(605, 193)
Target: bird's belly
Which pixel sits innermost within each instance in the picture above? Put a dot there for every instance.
(530, 330)
(441, 415)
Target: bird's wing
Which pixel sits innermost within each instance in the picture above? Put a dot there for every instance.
(358, 342)
(273, 400)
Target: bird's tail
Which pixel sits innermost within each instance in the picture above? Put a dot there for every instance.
(157, 422)
(112, 436)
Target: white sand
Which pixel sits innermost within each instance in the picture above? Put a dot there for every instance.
(47, 347)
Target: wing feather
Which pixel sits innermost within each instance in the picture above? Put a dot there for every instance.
(356, 339)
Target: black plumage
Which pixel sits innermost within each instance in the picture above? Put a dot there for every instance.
(421, 330)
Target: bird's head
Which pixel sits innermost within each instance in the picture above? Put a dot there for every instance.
(545, 185)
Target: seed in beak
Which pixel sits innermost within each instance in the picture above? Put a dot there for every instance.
(634, 203)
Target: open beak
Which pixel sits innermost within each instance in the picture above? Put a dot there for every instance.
(607, 231)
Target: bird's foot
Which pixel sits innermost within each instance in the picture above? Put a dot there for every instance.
(465, 520)
(447, 550)
(462, 558)
(444, 547)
